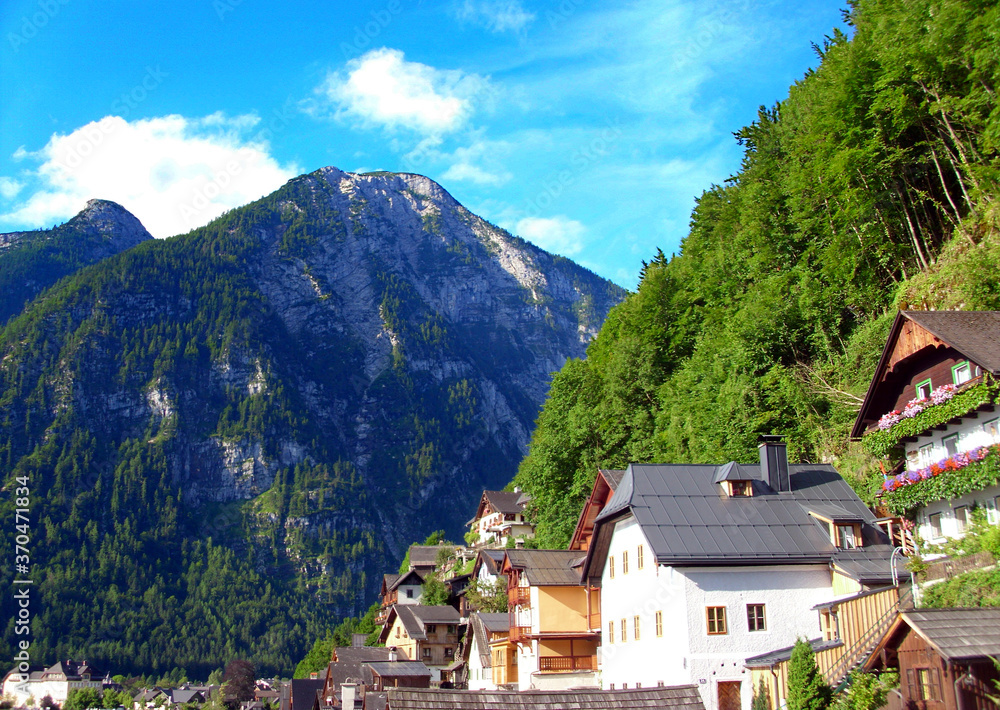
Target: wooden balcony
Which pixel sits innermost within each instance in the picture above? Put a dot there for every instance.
(519, 596)
(519, 634)
(564, 664)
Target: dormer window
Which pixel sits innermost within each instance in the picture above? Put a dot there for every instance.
(740, 489)
(846, 538)
(844, 526)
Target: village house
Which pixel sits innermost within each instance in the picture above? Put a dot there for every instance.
(486, 633)
(429, 634)
(399, 589)
(933, 397)
(553, 621)
(700, 567)
(944, 658)
(55, 682)
(499, 518)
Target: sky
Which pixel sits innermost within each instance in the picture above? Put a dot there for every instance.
(588, 128)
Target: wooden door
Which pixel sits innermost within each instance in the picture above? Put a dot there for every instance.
(729, 695)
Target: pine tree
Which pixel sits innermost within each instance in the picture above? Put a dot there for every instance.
(761, 697)
(806, 688)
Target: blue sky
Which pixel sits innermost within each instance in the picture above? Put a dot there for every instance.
(585, 127)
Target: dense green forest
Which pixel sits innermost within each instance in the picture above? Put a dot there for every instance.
(872, 187)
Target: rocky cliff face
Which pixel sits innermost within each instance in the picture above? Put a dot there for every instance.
(313, 381)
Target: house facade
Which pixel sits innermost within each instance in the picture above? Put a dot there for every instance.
(485, 631)
(701, 567)
(429, 634)
(55, 681)
(933, 398)
(500, 517)
(553, 620)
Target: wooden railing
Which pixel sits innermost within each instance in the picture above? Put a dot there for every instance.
(862, 620)
(567, 663)
(519, 595)
(519, 633)
(946, 569)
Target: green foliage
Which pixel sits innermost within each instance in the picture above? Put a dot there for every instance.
(83, 698)
(342, 635)
(490, 597)
(880, 442)
(867, 691)
(971, 589)
(761, 697)
(806, 687)
(872, 186)
(434, 592)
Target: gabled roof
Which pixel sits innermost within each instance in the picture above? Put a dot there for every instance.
(683, 697)
(733, 471)
(958, 634)
(688, 520)
(388, 582)
(975, 334)
(546, 567)
(605, 484)
(398, 668)
(425, 555)
(360, 654)
(412, 578)
(415, 617)
(511, 502)
(482, 625)
(491, 559)
(302, 692)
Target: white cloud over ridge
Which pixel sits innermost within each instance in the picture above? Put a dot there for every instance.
(559, 235)
(173, 173)
(496, 15)
(381, 88)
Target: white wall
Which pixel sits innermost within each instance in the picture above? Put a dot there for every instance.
(480, 677)
(685, 652)
(401, 597)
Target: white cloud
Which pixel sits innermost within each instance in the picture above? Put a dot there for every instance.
(466, 172)
(478, 163)
(9, 187)
(559, 235)
(496, 15)
(382, 88)
(173, 173)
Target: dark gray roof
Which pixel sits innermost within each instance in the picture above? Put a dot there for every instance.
(958, 633)
(411, 578)
(733, 471)
(835, 513)
(613, 476)
(182, 696)
(773, 658)
(975, 334)
(426, 555)
(505, 501)
(548, 567)
(492, 559)
(680, 697)
(399, 668)
(868, 565)
(688, 519)
(415, 618)
(361, 654)
(483, 624)
(389, 580)
(303, 691)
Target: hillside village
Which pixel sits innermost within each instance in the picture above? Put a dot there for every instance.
(689, 585)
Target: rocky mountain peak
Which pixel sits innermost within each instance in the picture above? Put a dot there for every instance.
(112, 221)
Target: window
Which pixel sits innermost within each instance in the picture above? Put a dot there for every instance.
(845, 537)
(611, 632)
(716, 620)
(611, 566)
(913, 460)
(625, 562)
(924, 389)
(427, 652)
(950, 444)
(449, 653)
(924, 683)
(829, 624)
(992, 429)
(451, 628)
(934, 520)
(432, 628)
(961, 373)
(962, 518)
(740, 488)
(409, 594)
(397, 632)
(926, 454)
(624, 631)
(638, 558)
(755, 617)
(659, 624)
(635, 628)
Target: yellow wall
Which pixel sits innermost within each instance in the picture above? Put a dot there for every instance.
(398, 637)
(843, 585)
(562, 609)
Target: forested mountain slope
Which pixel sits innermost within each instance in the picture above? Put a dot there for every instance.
(873, 186)
(229, 435)
(32, 261)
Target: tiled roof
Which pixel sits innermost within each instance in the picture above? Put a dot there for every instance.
(613, 476)
(958, 633)
(483, 624)
(410, 578)
(772, 658)
(399, 668)
(975, 334)
(688, 519)
(504, 501)
(685, 697)
(361, 654)
(415, 618)
(492, 560)
(425, 555)
(547, 567)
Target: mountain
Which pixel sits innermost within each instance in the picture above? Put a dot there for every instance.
(874, 186)
(229, 435)
(30, 262)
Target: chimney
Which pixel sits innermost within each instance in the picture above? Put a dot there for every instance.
(348, 691)
(519, 543)
(392, 654)
(774, 462)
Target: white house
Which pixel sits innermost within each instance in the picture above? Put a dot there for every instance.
(483, 629)
(934, 395)
(499, 517)
(55, 681)
(701, 567)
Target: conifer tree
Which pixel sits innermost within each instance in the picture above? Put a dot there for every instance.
(806, 688)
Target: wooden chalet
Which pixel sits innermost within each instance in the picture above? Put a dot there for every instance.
(944, 657)
(605, 485)
(499, 517)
